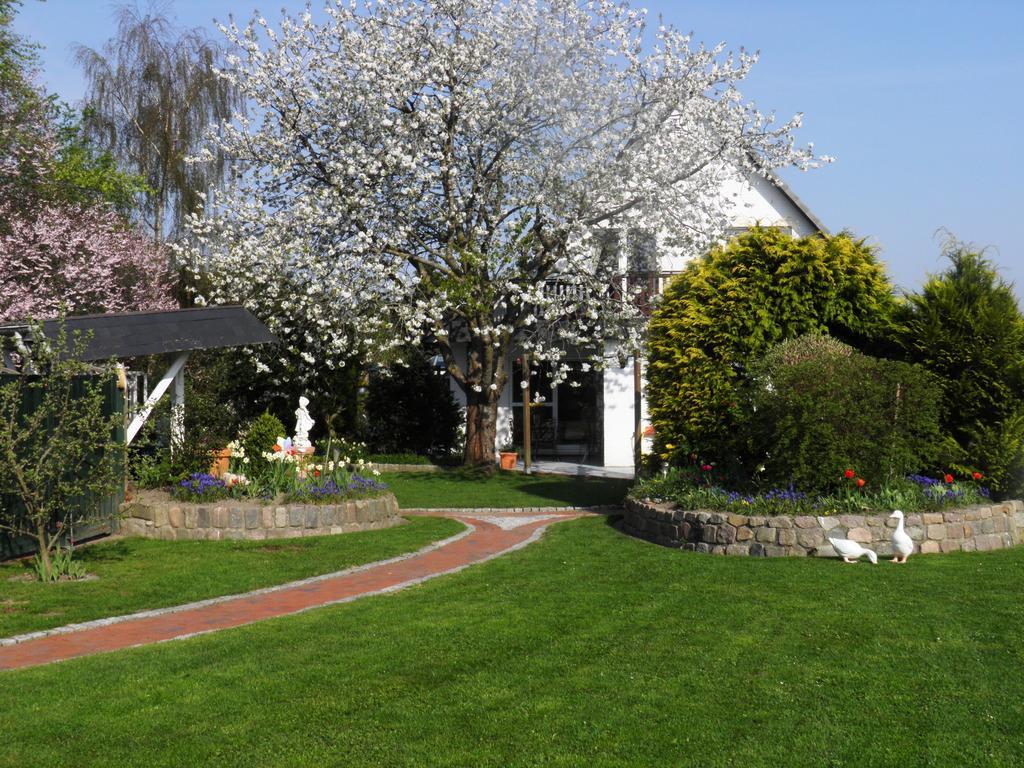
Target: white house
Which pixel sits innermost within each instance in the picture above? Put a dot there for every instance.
(595, 422)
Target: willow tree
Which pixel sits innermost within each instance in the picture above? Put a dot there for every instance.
(153, 92)
(440, 171)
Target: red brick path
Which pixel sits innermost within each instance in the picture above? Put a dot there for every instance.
(486, 541)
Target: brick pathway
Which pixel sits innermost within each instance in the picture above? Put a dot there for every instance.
(492, 534)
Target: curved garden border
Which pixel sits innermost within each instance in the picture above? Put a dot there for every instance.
(166, 518)
(973, 529)
(406, 467)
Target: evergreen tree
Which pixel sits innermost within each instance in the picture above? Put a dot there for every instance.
(966, 326)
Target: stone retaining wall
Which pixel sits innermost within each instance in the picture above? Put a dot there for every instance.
(231, 519)
(973, 529)
(406, 467)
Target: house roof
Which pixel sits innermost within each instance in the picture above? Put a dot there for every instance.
(134, 334)
(783, 187)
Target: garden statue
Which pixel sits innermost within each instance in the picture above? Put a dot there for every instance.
(851, 551)
(902, 544)
(303, 423)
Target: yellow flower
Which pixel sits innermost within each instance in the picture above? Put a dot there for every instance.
(669, 446)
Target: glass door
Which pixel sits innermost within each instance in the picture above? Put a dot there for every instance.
(542, 414)
(567, 423)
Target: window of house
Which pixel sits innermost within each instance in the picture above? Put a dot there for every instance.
(609, 244)
(642, 256)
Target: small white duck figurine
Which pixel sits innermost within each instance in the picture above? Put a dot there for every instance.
(851, 551)
(902, 544)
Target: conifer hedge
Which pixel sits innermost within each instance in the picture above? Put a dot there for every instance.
(725, 310)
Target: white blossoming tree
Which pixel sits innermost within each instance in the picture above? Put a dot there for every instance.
(441, 171)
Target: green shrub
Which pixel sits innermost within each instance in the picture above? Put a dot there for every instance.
(260, 437)
(346, 451)
(998, 448)
(810, 346)
(725, 310)
(411, 410)
(837, 410)
(966, 326)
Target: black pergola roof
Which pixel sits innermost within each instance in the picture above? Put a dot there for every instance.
(133, 334)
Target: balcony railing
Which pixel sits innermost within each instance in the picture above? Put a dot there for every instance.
(651, 285)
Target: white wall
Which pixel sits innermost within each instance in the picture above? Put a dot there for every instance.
(757, 199)
(618, 413)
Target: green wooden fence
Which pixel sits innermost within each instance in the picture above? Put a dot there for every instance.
(105, 522)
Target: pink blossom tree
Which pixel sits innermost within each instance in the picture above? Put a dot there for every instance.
(62, 243)
(83, 258)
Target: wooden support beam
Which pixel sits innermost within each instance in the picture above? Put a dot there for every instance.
(527, 447)
(175, 374)
(638, 422)
(178, 410)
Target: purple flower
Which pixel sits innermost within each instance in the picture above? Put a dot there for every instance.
(202, 484)
(362, 484)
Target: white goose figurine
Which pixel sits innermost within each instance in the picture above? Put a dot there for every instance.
(902, 544)
(851, 551)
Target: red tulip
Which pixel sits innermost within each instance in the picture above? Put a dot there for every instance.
(860, 482)
(849, 474)
(706, 467)
(977, 475)
(948, 478)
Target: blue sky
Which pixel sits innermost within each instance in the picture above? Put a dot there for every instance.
(922, 104)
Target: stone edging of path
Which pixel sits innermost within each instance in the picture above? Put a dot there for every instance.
(597, 509)
(111, 620)
(487, 536)
(384, 590)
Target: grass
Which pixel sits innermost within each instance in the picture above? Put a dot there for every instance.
(475, 488)
(584, 649)
(137, 574)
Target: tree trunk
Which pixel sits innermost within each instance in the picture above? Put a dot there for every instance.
(44, 551)
(481, 427)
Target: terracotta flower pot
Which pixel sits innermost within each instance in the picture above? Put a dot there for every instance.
(508, 459)
(220, 463)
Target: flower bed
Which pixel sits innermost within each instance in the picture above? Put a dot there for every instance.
(915, 493)
(285, 472)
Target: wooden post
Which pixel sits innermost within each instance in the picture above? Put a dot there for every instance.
(178, 411)
(175, 376)
(638, 435)
(526, 413)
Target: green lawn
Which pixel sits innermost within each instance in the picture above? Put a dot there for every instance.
(136, 574)
(584, 649)
(473, 488)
